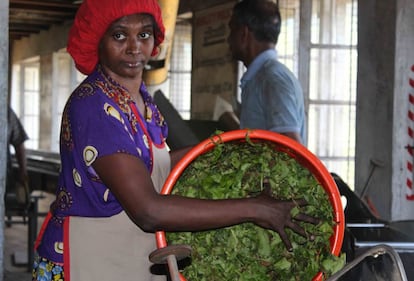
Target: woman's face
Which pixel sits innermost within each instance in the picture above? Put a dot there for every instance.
(127, 45)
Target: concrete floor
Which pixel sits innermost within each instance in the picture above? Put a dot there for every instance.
(15, 245)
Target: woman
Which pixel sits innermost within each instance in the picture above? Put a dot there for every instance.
(114, 159)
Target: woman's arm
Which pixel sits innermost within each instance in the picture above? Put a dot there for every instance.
(128, 178)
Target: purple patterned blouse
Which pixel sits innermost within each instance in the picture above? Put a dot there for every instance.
(100, 118)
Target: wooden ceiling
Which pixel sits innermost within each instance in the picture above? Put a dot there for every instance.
(28, 17)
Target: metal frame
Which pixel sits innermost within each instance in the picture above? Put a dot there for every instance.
(398, 272)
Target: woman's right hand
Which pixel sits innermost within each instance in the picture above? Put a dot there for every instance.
(276, 215)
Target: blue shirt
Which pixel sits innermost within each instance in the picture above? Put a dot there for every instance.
(271, 97)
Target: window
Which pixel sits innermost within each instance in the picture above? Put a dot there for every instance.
(287, 45)
(26, 98)
(180, 69)
(332, 85)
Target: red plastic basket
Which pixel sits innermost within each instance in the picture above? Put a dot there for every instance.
(297, 151)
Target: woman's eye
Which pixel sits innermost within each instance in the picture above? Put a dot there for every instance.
(119, 36)
(144, 35)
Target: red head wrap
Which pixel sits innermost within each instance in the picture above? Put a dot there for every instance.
(93, 19)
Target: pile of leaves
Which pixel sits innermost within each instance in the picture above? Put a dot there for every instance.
(248, 252)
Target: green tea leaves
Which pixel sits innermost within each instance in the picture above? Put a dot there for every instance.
(247, 252)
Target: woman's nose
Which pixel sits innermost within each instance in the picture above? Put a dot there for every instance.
(134, 46)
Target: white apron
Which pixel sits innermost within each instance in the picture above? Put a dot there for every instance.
(114, 248)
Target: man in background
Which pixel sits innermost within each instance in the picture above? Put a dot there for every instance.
(16, 136)
(271, 96)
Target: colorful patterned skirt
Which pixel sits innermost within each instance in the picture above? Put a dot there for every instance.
(46, 270)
